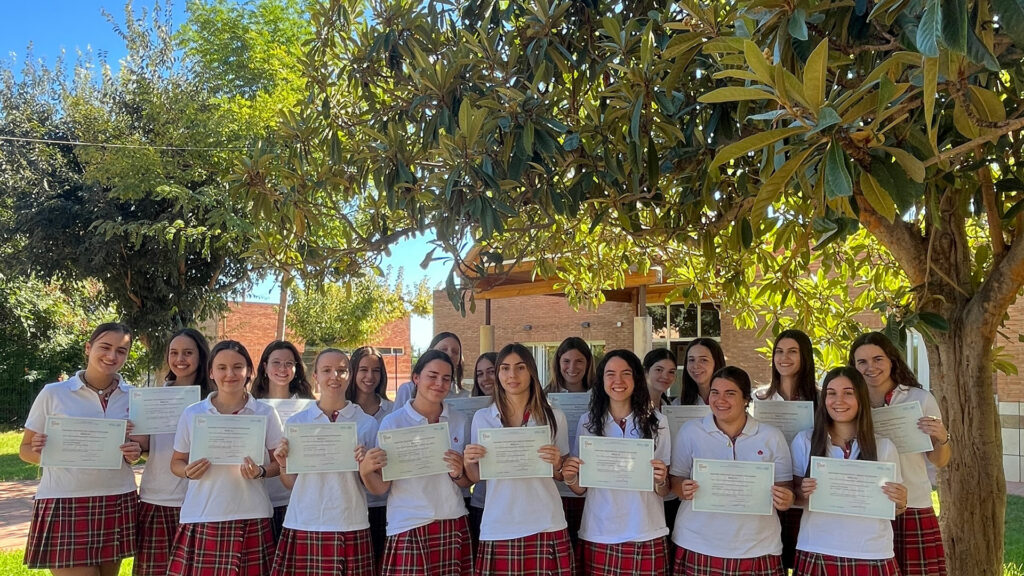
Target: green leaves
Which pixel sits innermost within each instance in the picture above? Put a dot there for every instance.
(877, 197)
(930, 29)
(816, 74)
(755, 142)
(837, 177)
(735, 94)
(1011, 18)
(955, 25)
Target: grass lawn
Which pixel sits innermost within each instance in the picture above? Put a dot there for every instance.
(11, 466)
(10, 565)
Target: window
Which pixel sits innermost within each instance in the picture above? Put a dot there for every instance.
(544, 353)
(675, 325)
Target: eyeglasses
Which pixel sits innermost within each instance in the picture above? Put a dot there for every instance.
(278, 365)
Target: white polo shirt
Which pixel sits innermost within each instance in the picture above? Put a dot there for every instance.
(222, 494)
(760, 395)
(914, 467)
(415, 502)
(74, 399)
(331, 501)
(518, 507)
(386, 407)
(839, 535)
(159, 485)
(679, 401)
(617, 516)
(729, 535)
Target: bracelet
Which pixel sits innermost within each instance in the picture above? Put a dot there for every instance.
(456, 478)
(573, 483)
(187, 477)
(949, 437)
(661, 484)
(262, 474)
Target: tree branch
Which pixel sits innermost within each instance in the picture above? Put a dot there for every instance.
(995, 224)
(900, 237)
(1010, 126)
(985, 311)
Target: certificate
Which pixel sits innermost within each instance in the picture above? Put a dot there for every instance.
(156, 410)
(228, 438)
(287, 407)
(414, 451)
(620, 463)
(575, 405)
(899, 424)
(733, 486)
(852, 487)
(83, 443)
(679, 415)
(512, 452)
(791, 417)
(321, 447)
(468, 406)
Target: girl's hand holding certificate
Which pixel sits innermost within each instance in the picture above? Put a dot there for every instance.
(782, 498)
(896, 492)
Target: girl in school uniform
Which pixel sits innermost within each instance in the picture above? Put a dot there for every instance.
(716, 543)
(793, 378)
(523, 531)
(660, 366)
(833, 544)
(83, 520)
(369, 392)
(427, 530)
(450, 344)
(703, 358)
(161, 493)
(573, 370)
(326, 529)
(484, 382)
(623, 531)
(918, 541)
(280, 375)
(225, 518)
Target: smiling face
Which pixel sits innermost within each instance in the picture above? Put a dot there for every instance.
(281, 368)
(660, 377)
(727, 401)
(230, 371)
(841, 400)
(618, 380)
(367, 376)
(514, 375)
(786, 358)
(434, 382)
(573, 366)
(485, 376)
(183, 358)
(107, 353)
(332, 374)
(700, 364)
(872, 362)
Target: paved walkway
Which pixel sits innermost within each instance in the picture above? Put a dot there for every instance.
(16, 509)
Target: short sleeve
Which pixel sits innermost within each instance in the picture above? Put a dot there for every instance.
(183, 435)
(782, 457)
(801, 453)
(682, 450)
(581, 431)
(562, 434)
(663, 441)
(929, 406)
(275, 431)
(36, 420)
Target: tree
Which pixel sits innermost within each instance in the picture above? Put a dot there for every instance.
(353, 314)
(743, 144)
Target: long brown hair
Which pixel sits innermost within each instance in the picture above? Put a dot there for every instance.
(299, 385)
(537, 403)
(580, 345)
(690, 389)
(806, 388)
(202, 378)
(900, 372)
(820, 442)
(358, 355)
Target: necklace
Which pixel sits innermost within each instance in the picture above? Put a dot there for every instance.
(101, 391)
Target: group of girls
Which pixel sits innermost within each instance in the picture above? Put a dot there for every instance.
(196, 518)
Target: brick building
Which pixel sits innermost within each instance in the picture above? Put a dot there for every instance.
(254, 324)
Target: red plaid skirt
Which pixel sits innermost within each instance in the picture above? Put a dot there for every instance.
(543, 553)
(689, 563)
(632, 558)
(157, 527)
(790, 521)
(441, 548)
(918, 543)
(812, 564)
(84, 531)
(233, 548)
(305, 553)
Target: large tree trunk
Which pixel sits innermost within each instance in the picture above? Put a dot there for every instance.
(972, 488)
(282, 307)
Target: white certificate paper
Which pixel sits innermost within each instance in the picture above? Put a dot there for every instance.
(228, 438)
(287, 407)
(733, 486)
(899, 424)
(852, 487)
(157, 410)
(575, 405)
(415, 451)
(513, 452)
(619, 463)
(791, 417)
(679, 415)
(468, 406)
(83, 443)
(321, 447)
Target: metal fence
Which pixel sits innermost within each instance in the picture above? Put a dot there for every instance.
(16, 396)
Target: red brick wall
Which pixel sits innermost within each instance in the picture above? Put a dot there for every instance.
(1010, 387)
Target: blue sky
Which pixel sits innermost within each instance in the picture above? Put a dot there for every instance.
(54, 27)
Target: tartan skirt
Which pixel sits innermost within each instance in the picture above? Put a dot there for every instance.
(441, 548)
(157, 527)
(82, 531)
(305, 553)
(541, 554)
(689, 563)
(790, 521)
(814, 564)
(633, 558)
(918, 543)
(232, 548)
